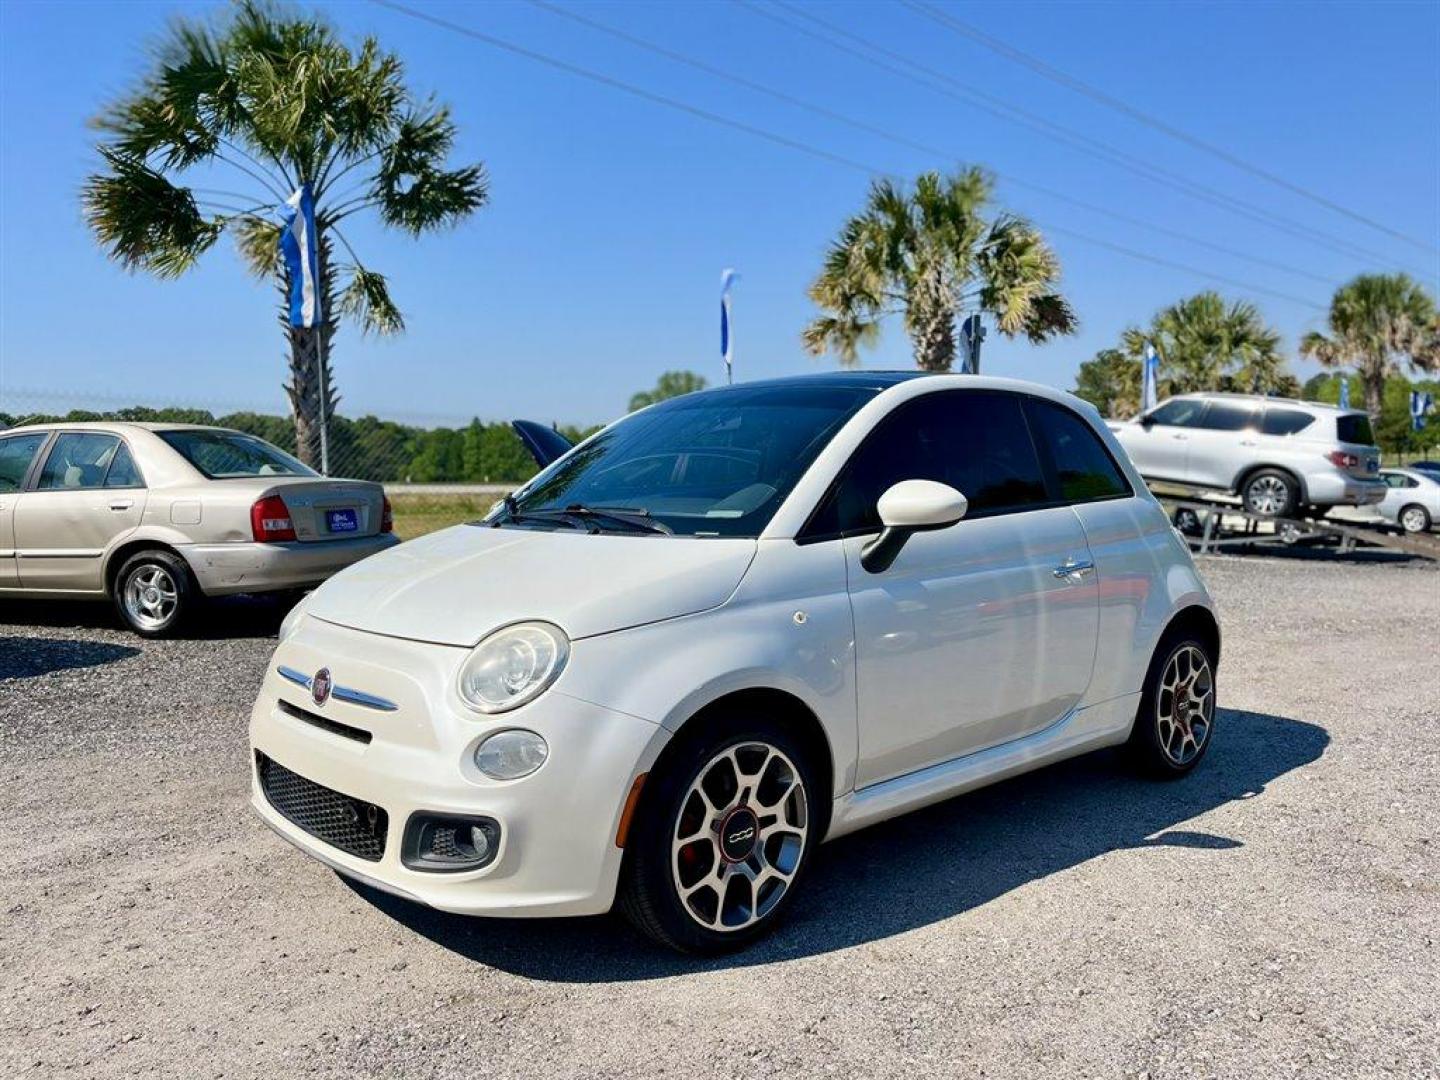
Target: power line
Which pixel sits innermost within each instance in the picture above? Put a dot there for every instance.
(900, 140)
(770, 136)
(1079, 86)
(909, 68)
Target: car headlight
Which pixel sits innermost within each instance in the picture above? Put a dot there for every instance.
(291, 622)
(513, 665)
(509, 755)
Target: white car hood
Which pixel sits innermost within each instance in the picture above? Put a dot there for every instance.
(455, 586)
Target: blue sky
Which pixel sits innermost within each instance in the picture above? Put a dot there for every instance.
(596, 264)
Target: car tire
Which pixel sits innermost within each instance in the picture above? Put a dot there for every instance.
(1414, 518)
(1188, 522)
(155, 593)
(692, 880)
(1177, 699)
(1270, 493)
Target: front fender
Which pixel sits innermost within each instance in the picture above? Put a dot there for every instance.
(787, 628)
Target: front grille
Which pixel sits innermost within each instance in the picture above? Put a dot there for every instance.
(324, 723)
(350, 824)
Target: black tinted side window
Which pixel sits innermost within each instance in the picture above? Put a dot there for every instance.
(1084, 468)
(1284, 421)
(977, 442)
(1228, 416)
(1178, 412)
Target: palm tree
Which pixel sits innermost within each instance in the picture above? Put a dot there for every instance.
(1375, 321)
(928, 253)
(1110, 382)
(258, 106)
(670, 384)
(1206, 344)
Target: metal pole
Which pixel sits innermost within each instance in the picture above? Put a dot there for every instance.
(324, 395)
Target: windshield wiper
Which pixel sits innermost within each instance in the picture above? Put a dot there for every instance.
(635, 517)
(580, 516)
(512, 513)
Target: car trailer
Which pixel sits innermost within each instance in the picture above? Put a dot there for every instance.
(1210, 523)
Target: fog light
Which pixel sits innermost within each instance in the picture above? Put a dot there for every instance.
(509, 755)
(449, 843)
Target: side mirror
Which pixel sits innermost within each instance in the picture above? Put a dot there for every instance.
(908, 507)
(1147, 421)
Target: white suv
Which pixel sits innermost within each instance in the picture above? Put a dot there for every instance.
(1279, 455)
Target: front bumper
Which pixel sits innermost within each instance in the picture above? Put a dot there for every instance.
(557, 853)
(250, 567)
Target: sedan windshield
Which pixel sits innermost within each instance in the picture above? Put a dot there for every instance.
(227, 455)
(710, 464)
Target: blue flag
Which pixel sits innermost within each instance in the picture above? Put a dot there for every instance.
(1344, 393)
(727, 343)
(972, 333)
(1150, 380)
(300, 249)
(1420, 402)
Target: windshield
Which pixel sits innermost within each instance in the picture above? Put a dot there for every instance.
(226, 455)
(1354, 428)
(712, 464)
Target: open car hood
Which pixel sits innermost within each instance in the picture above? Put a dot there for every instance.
(544, 443)
(455, 586)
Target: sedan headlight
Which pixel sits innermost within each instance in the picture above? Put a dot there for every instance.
(513, 665)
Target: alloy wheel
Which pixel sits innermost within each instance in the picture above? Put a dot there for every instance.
(1185, 706)
(1266, 495)
(151, 596)
(739, 837)
(1413, 520)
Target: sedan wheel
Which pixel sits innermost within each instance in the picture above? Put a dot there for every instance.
(154, 593)
(1414, 519)
(741, 830)
(151, 597)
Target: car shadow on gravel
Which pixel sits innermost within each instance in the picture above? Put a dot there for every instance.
(221, 618)
(918, 869)
(27, 657)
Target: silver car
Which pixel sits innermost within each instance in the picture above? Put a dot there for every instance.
(1412, 498)
(157, 516)
(1281, 456)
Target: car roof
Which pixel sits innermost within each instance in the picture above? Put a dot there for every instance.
(1268, 399)
(109, 425)
(863, 379)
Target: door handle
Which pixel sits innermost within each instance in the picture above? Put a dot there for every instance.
(1071, 570)
(1177, 435)
(122, 504)
(1248, 442)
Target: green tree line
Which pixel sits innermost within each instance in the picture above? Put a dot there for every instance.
(366, 447)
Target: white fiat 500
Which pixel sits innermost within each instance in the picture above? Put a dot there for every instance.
(724, 629)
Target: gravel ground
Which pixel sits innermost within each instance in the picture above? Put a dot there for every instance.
(1275, 914)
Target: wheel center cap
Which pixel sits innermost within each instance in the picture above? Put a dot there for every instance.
(739, 833)
(152, 596)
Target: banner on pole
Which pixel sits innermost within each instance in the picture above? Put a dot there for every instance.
(1149, 379)
(727, 342)
(300, 249)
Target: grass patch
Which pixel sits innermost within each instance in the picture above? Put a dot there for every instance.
(416, 515)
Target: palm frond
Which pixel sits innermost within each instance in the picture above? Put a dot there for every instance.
(366, 299)
(259, 243)
(412, 189)
(144, 221)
